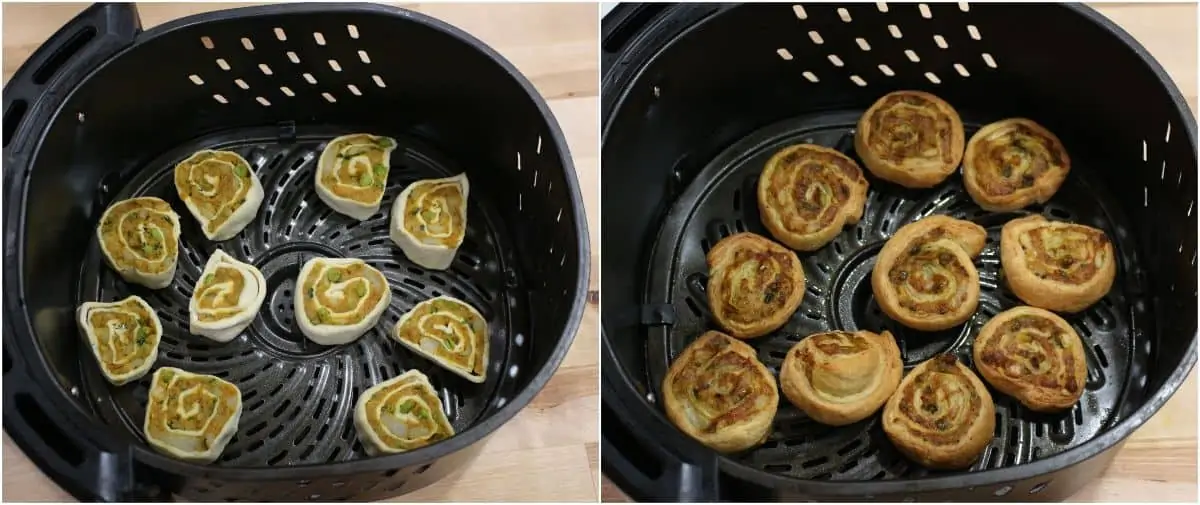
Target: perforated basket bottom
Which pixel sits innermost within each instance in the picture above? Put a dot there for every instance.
(298, 396)
(722, 202)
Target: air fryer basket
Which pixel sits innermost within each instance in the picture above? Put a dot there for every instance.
(103, 111)
(697, 97)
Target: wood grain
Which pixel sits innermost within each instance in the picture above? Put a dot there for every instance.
(548, 451)
(1158, 462)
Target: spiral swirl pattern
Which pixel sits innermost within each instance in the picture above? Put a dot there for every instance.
(754, 285)
(807, 193)
(1014, 163)
(941, 416)
(123, 335)
(220, 190)
(1065, 267)
(338, 299)
(924, 277)
(718, 392)
(191, 416)
(1034, 356)
(429, 220)
(139, 239)
(352, 173)
(400, 414)
(450, 333)
(839, 378)
(911, 138)
(226, 298)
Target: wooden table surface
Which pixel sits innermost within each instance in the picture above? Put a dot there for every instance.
(1158, 462)
(548, 452)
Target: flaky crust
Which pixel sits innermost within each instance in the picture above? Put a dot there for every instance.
(942, 416)
(839, 378)
(1054, 265)
(808, 193)
(1032, 355)
(718, 393)
(924, 277)
(1014, 163)
(754, 284)
(911, 138)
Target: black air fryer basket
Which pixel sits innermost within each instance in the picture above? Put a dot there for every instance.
(696, 97)
(103, 111)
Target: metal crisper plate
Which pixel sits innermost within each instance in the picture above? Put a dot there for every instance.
(722, 201)
(298, 396)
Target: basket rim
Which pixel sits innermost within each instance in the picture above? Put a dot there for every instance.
(616, 80)
(23, 328)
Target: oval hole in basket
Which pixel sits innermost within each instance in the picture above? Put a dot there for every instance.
(378, 81)
(784, 53)
(816, 37)
(246, 43)
(196, 79)
(886, 70)
(292, 56)
(811, 77)
(925, 12)
(940, 41)
(800, 12)
(329, 97)
(309, 77)
(895, 31)
(362, 55)
(317, 36)
(836, 61)
(222, 63)
(862, 44)
(279, 33)
(287, 91)
(241, 84)
(207, 41)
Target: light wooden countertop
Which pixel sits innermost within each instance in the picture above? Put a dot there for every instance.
(548, 452)
(1158, 462)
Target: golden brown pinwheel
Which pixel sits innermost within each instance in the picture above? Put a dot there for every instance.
(754, 284)
(718, 393)
(191, 416)
(807, 193)
(1032, 355)
(911, 138)
(1013, 163)
(924, 277)
(1054, 265)
(839, 378)
(941, 416)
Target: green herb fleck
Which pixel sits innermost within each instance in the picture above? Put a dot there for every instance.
(311, 292)
(322, 314)
(360, 289)
(208, 279)
(422, 413)
(333, 275)
(167, 375)
(147, 249)
(242, 170)
(142, 333)
(406, 407)
(366, 180)
(448, 344)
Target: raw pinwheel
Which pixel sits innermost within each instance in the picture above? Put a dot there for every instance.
(429, 220)
(449, 332)
(139, 238)
(339, 299)
(352, 173)
(220, 190)
(226, 298)
(123, 335)
(191, 416)
(400, 414)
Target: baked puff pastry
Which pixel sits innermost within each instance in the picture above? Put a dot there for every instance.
(226, 299)
(1013, 163)
(1054, 265)
(924, 277)
(941, 416)
(1032, 355)
(718, 393)
(448, 332)
(352, 173)
(123, 335)
(339, 299)
(840, 378)
(400, 414)
(190, 416)
(220, 190)
(139, 238)
(754, 284)
(911, 138)
(429, 220)
(807, 193)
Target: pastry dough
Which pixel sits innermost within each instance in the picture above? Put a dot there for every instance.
(924, 277)
(448, 332)
(220, 190)
(352, 173)
(226, 298)
(400, 414)
(911, 138)
(942, 416)
(1013, 163)
(718, 393)
(1032, 355)
(139, 238)
(807, 193)
(754, 284)
(839, 378)
(339, 299)
(191, 416)
(1064, 267)
(429, 220)
(123, 335)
